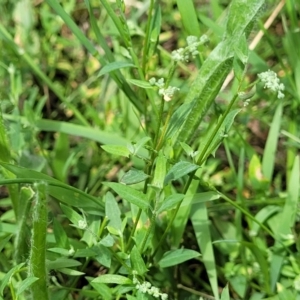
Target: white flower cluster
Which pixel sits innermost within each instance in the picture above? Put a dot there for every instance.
(147, 288)
(272, 82)
(168, 92)
(183, 54)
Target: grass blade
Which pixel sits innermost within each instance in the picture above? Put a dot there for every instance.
(268, 160)
(200, 221)
(189, 17)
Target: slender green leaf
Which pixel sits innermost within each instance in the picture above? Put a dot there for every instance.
(62, 251)
(72, 215)
(137, 261)
(25, 284)
(258, 181)
(179, 170)
(116, 150)
(61, 155)
(225, 294)
(170, 202)
(216, 28)
(140, 83)
(62, 262)
(103, 290)
(262, 216)
(159, 172)
(268, 160)
(107, 241)
(200, 221)
(113, 279)
(288, 216)
(219, 136)
(189, 17)
(4, 241)
(7, 276)
(71, 272)
(113, 213)
(62, 192)
(61, 237)
(245, 14)
(104, 256)
(133, 176)
(129, 194)
(115, 66)
(176, 257)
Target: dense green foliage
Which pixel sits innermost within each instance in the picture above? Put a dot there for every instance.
(131, 167)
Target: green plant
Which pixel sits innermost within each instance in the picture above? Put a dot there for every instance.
(160, 136)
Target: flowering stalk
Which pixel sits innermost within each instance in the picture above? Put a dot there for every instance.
(147, 37)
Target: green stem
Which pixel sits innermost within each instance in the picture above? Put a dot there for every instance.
(167, 230)
(118, 23)
(37, 259)
(159, 144)
(128, 246)
(157, 140)
(23, 232)
(201, 158)
(161, 111)
(152, 220)
(199, 162)
(147, 37)
(103, 225)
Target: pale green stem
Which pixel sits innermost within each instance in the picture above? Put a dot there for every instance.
(146, 44)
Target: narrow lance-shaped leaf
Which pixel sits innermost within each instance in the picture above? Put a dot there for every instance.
(160, 172)
(170, 202)
(133, 176)
(112, 279)
(179, 170)
(225, 293)
(131, 195)
(113, 213)
(175, 257)
(212, 74)
(115, 66)
(137, 261)
(62, 192)
(219, 136)
(116, 150)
